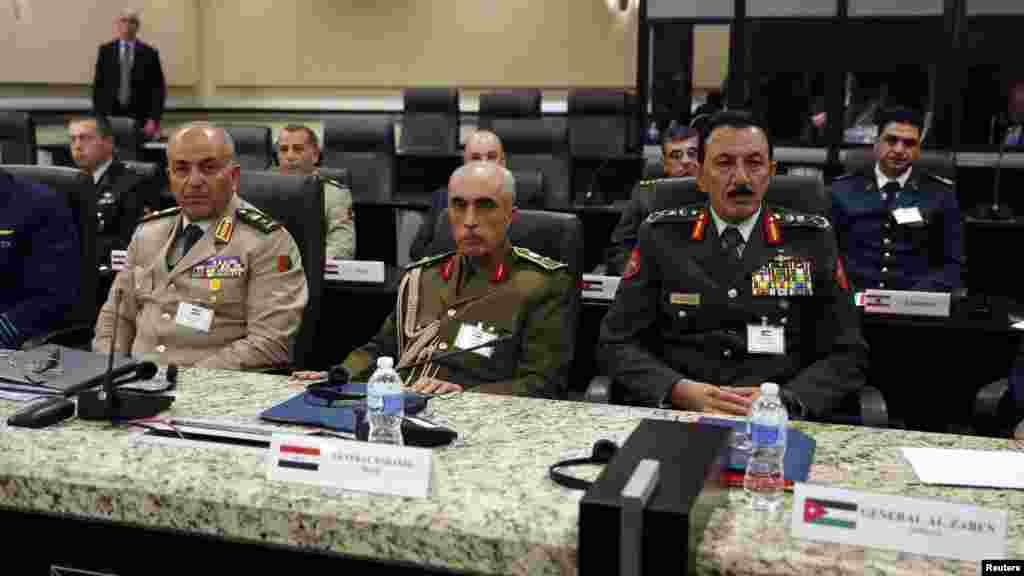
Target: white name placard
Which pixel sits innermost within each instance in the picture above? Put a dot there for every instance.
(918, 526)
(600, 287)
(355, 270)
(906, 302)
(351, 465)
(118, 259)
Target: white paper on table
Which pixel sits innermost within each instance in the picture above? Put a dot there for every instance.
(957, 467)
(1017, 326)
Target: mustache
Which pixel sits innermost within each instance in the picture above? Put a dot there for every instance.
(741, 190)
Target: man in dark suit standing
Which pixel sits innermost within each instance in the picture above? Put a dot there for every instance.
(129, 80)
(123, 196)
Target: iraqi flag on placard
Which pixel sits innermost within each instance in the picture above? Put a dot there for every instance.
(300, 457)
(830, 513)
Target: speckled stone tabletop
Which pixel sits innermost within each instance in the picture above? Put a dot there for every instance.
(491, 509)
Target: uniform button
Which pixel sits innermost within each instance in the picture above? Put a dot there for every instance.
(166, 316)
(451, 312)
(887, 241)
(727, 353)
(888, 255)
(881, 284)
(682, 313)
(443, 346)
(161, 348)
(784, 320)
(885, 270)
(733, 293)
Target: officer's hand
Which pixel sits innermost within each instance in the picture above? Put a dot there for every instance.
(751, 393)
(434, 386)
(701, 397)
(308, 375)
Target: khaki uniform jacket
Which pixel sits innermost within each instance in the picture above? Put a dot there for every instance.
(341, 223)
(526, 297)
(246, 269)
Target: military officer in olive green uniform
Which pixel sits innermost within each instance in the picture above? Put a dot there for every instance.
(717, 299)
(213, 282)
(486, 291)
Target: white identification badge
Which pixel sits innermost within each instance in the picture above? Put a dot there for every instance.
(193, 316)
(765, 339)
(470, 336)
(908, 215)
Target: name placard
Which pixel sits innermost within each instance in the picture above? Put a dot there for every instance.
(914, 525)
(600, 287)
(351, 465)
(906, 302)
(355, 270)
(118, 258)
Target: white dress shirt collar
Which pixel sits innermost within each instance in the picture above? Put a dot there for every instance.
(882, 179)
(745, 227)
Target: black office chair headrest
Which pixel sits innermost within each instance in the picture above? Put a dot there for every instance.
(511, 104)
(145, 169)
(339, 175)
(17, 138)
(597, 103)
(530, 191)
(362, 133)
(533, 136)
(862, 161)
(431, 100)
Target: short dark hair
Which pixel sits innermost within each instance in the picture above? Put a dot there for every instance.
(103, 127)
(678, 134)
(310, 134)
(899, 115)
(732, 119)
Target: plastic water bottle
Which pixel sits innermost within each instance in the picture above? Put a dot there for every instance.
(384, 403)
(764, 480)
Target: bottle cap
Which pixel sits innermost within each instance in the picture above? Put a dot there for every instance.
(385, 362)
(769, 389)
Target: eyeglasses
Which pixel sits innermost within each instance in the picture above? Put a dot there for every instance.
(894, 140)
(679, 154)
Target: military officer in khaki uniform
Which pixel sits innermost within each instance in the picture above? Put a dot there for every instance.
(484, 291)
(213, 282)
(298, 152)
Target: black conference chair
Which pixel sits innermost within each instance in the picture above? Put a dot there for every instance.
(539, 145)
(78, 188)
(126, 137)
(430, 123)
(530, 189)
(17, 138)
(653, 168)
(253, 145)
(598, 123)
(339, 175)
(556, 235)
(507, 107)
(297, 202)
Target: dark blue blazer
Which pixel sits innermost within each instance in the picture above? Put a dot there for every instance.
(39, 257)
(879, 253)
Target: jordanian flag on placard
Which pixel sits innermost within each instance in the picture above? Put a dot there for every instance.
(830, 513)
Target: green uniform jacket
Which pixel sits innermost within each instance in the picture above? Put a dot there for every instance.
(526, 297)
(341, 223)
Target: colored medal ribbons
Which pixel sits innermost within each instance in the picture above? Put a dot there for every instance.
(783, 276)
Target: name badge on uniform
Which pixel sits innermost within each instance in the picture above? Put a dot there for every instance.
(194, 317)
(784, 276)
(681, 299)
(470, 336)
(765, 339)
(910, 215)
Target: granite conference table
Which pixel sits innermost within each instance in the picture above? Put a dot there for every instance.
(93, 497)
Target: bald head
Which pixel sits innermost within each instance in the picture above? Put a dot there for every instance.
(203, 173)
(215, 134)
(481, 204)
(488, 174)
(483, 146)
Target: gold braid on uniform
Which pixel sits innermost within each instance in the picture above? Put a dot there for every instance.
(424, 339)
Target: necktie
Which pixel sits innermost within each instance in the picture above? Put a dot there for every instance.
(124, 88)
(190, 235)
(732, 242)
(889, 192)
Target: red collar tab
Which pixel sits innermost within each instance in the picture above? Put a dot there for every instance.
(772, 229)
(446, 270)
(700, 226)
(499, 274)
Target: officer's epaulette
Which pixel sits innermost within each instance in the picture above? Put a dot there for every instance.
(542, 261)
(789, 218)
(338, 183)
(257, 220)
(945, 181)
(844, 176)
(682, 214)
(428, 260)
(160, 214)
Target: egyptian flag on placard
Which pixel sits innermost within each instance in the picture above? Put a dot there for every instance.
(833, 513)
(301, 457)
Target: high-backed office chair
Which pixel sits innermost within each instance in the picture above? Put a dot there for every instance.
(653, 168)
(536, 144)
(365, 146)
(530, 189)
(430, 123)
(17, 138)
(126, 137)
(339, 175)
(297, 202)
(598, 123)
(862, 160)
(253, 145)
(556, 235)
(507, 106)
(78, 188)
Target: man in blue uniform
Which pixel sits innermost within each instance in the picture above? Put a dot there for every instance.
(718, 298)
(898, 227)
(38, 246)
